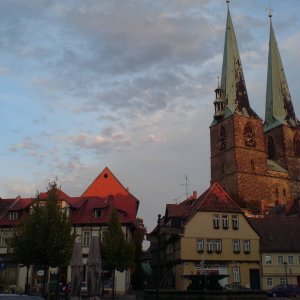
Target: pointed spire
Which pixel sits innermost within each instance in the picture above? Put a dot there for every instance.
(232, 79)
(279, 106)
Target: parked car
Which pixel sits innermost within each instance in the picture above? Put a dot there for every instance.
(284, 290)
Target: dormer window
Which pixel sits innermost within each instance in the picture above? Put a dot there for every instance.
(13, 215)
(97, 212)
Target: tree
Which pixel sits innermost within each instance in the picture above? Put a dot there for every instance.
(44, 237)
(118, 253)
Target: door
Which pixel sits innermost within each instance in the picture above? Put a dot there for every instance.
(254, 279)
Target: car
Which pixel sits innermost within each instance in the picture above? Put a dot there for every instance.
(284, 290)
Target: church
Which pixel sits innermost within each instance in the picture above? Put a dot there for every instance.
(255, 160)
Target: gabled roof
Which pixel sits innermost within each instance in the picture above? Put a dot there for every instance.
(279, 106)
(279, 234)
(13, 205)
(214, 199)
(105, 184)
(232, 80)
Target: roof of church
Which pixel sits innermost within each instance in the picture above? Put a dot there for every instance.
(279, 106)
(278, 234)
(232, 79)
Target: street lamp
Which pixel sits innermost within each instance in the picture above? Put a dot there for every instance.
(285, 271)
(158, 257)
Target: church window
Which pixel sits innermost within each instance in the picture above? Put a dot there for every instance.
(297, 145)
(249, 136)
(223, 140)
(284, 192)
(271, 148)
(276, 192)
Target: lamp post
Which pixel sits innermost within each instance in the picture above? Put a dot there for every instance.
(158, 258)
(285, 271)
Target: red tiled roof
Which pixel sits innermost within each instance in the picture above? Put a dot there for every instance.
(105, 184)
(17, 205)
(83, 209)
(278, 234)
(216, 199)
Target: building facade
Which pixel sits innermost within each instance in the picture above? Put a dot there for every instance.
(207, 239)
(89, 215)
(280, 250)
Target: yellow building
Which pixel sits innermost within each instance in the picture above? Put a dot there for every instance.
(206, 239)
(280, 250)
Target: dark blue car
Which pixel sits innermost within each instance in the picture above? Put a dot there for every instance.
(284, 290)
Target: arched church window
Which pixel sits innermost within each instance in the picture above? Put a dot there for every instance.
(297, 144)
(271, 148)
(223, 140)
(249, 136)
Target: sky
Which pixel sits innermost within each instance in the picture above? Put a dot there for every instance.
(127, 84)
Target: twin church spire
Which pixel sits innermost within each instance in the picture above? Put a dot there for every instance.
(231, 95)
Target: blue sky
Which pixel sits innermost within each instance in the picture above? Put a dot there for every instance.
(127, 84)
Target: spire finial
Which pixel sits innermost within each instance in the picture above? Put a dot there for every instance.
(228, 1)
(269, 10)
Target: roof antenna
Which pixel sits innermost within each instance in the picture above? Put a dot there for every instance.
(186, 185)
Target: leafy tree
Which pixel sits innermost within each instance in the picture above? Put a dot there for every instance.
(118, 253)
(44, 237)
(138, 276)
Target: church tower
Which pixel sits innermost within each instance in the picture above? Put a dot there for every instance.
(238, 156)
(282, 128)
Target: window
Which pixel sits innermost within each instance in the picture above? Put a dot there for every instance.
(269, 281)
(97, 213)
(105, 175)
(216, 221)
(236, 274)
(252, 164)
(271, 148)
(3, 238)
(235, 222)
(236, 246)
(222, 138)
(282, 280)
(86, 238)
(225, 224)
(297, 145)
(246, 246)
(218, 246)
(280, 260)
(290, 259)
(209, 246)
(13, 215)
(249, 136)
(268, 259)
(200, 245)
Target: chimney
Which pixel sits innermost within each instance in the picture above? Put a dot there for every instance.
(194, 195)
